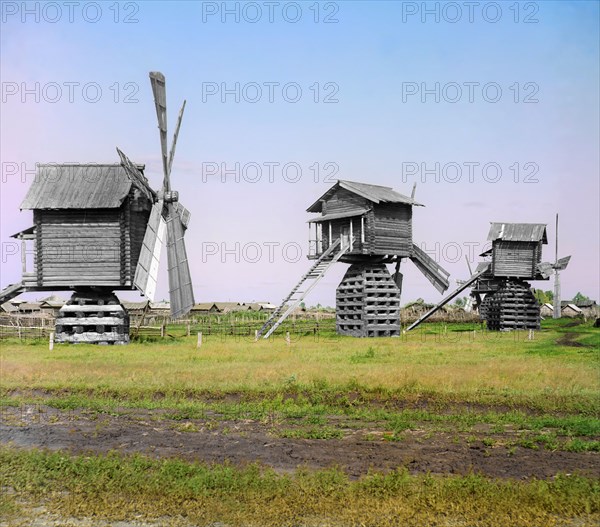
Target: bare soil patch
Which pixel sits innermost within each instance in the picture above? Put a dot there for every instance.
(363, 446)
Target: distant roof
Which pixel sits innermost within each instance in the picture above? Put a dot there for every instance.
(518, 232)
(585, 303)
(8, 307)
(374, 193)
(72, 186)
(134, 305)
(203, 306)
(227, 305)
(570, 306)
(53, 301)
(163, 304)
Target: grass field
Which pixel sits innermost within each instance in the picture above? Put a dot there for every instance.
(445, 386)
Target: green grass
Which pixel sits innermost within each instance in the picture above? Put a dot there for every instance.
(486, 367)
(114, 487)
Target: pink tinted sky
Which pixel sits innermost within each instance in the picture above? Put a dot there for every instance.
(369, 134)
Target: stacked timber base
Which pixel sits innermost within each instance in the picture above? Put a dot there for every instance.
(512, 306)
(94, 317)
(368, 302)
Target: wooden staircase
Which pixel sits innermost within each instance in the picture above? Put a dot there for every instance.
(318, 270)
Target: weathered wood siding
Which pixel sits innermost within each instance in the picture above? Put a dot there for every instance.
(344, 201)
(516, 259)
(390, 229)
(79, 247)
(137, 213)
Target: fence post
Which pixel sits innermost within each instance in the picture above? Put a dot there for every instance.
(199, 343)
(51, 342)
(188, 330)
(162, 330)
(287, 338)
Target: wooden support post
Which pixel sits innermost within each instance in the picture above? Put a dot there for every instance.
(23, 256)
(188, 330)
(199, 343)
(162, 330)
(51, 342)
(287, 338)
(255, 335)
(351, 235)
(362, 230)
(330, 241)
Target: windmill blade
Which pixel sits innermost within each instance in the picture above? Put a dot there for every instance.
(159, 90)
(545, 269)
(561, 263)
(175, 135)
(137, 178)
(181, 292)
(146, 272)
(184, 214)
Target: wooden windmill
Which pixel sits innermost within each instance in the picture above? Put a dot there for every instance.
(98, 229)
(366, 226)
(500, 283)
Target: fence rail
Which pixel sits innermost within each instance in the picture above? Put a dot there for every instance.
(219, 325)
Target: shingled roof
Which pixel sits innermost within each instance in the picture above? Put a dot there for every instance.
(374, 193)
(91, 186)
(518, 232)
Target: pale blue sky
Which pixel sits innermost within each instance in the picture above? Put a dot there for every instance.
(369, 133)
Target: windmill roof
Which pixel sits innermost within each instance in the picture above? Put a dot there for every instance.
(374, 193)
(72, 186)
(518, 232)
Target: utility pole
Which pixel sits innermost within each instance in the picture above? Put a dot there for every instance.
(556, 313)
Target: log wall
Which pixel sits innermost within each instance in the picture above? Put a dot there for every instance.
(516, 259)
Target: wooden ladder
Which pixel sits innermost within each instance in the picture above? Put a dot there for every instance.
(318, 270)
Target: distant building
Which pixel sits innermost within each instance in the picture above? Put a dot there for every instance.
(204, 308)
(547, 310)
(52, 304)
(569, 309)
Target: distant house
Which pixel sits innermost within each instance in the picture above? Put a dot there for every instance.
(161, 308)
(52, 304)
(588, 307)
(254, 306)
(547, 310)
(29, 308)
(227, 307)
(204, 308)
(569, 309)
(135, 308)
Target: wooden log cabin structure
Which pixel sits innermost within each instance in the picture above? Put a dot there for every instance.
(99, 228)
(366, 226)
(503, 293)
(89, 226)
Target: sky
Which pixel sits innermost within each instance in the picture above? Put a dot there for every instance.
(492, 109)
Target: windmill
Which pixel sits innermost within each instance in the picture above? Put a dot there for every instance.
(99, 228)
(508, 301)
(366, 226)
